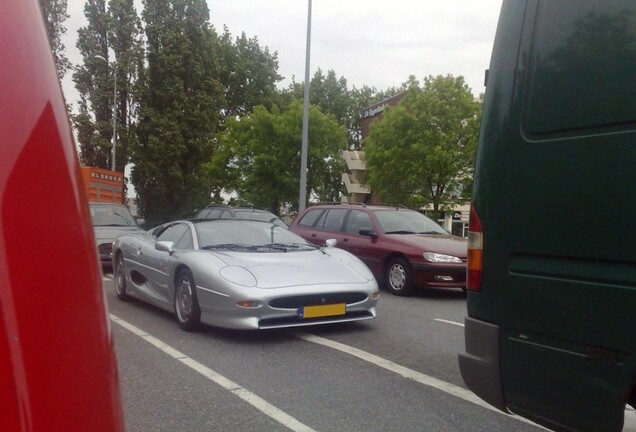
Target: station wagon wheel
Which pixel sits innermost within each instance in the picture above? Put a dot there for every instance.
(398, 277)
(186, 303)
(120, 279)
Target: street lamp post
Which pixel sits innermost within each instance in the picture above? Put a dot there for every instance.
(114, 139)
(305, 132)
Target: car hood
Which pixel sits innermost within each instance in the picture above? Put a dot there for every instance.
(439, 243)
(279, 270)
(106, 234)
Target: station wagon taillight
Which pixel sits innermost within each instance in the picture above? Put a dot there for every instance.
(475, 252)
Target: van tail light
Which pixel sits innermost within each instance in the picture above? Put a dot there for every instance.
(475, 253)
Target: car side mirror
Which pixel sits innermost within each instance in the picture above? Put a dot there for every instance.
(367, 232)
(165, 246)
(331, 242)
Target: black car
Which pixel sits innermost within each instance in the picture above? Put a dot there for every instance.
(220, 211)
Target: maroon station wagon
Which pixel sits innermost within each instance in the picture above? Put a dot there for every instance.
(402, 247)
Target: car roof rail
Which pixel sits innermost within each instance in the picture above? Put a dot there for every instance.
(339, 203)
(397, 206)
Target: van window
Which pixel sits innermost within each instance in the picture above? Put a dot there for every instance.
(599, 44)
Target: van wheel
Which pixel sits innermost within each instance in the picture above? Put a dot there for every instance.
(120, 279)
(186, 303)
(398, 277)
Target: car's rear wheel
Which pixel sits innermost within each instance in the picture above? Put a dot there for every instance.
(398, 277)
(120, 279)
(186, 303)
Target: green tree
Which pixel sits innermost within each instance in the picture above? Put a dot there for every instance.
(55, 13)
(422, 151)
(248, 72)
(332, 95)
(179, 110)
(110, 41)
(262, 153)
(127, 46)
(94, 82)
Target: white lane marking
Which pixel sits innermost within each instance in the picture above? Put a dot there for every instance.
(249, 397)
(448, 322)
(418, 377)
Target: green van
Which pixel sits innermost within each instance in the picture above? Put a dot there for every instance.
(552, 261)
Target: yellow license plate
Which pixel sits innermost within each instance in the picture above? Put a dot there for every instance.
(323, 310)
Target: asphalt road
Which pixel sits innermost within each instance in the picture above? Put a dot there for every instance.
(395, 373)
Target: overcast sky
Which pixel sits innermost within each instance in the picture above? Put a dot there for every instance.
(369, 42)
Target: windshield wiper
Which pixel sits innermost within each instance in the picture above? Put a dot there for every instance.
(431, 232)
(286, 246)
(227, 246)
(399, 232)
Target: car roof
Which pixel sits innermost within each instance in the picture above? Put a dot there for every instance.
(361, 205)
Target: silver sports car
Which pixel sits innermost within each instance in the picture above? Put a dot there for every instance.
(242, 274)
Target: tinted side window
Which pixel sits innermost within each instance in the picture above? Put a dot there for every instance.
(582, 66)
(358, 220)
(173, 233)
(310, 217)
(334, 219)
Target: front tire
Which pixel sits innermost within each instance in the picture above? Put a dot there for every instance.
(398, 277)
(186, 303)
(120, 279)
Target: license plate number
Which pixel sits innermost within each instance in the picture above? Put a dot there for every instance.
(322, 310)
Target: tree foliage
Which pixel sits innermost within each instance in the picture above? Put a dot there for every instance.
(179, 112)
(55, 13)
(262, 151)
(109, 43)
(94, 82)
(422, 151)
(333, 96)
(127, 46)
(248, 72)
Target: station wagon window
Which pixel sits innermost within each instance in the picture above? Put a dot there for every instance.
(333, 219)
(358, 220)
(589, 80)
(310, 217)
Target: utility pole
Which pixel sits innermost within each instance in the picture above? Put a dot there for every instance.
(303, 153)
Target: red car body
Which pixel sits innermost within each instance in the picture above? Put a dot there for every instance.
(378, 248)
(57, 364)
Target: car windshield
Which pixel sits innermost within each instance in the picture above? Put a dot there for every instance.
(111, 215)
(243, 235)
(264, 216)
(406, 222)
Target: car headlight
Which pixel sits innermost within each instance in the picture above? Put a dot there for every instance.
(440, 258)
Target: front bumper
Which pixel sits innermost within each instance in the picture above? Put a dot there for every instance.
(105, 253)
(436, 275)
